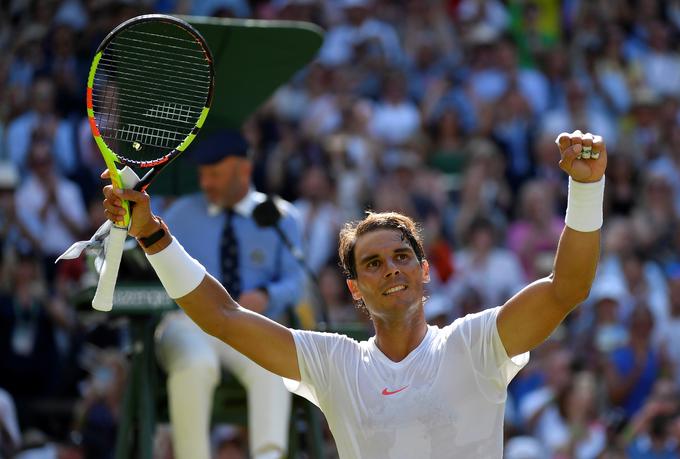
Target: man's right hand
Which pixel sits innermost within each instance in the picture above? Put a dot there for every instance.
(143, 223)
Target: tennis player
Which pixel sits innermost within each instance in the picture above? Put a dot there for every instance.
(412, 390)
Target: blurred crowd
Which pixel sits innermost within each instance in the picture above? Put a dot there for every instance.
(444, 110)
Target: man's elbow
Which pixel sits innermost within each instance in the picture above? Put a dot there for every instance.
(211, 327)
(580, 297)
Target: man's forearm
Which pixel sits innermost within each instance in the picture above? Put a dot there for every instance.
(579, 248)
(575, 265)
(211, 307)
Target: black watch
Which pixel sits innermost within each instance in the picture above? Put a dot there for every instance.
(154, 237)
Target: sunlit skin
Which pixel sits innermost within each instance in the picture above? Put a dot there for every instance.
(384, 260)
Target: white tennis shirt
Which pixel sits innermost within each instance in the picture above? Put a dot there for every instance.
(446, 399)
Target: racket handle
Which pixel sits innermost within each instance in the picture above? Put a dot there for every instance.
(103, 297)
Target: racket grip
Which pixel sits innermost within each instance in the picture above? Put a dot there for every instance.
(103, 297)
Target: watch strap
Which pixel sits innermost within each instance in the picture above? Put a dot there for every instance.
(154, 237)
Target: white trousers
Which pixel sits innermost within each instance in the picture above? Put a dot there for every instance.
(192, 361)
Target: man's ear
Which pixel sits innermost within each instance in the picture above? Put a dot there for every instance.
(426, 271)
(354, 289)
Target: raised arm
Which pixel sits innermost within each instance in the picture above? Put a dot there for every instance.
(530, 316)
(203, 298)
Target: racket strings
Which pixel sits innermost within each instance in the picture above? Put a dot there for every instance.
(149, 91)
(192, 56)
(175, 112)
(133, 77)
(167, 62)
(142, 95)
(165, 38)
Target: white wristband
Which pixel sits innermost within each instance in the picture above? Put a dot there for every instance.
(584, 205)
(178, 271)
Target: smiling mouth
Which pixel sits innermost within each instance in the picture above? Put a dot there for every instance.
(395, 289)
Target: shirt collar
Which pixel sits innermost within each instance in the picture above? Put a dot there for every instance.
(244, 207)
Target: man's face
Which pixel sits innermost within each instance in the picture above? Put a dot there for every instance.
(225, 183)
(390, 279)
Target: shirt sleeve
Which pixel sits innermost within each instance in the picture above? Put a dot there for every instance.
(318, 354)
(493, 368)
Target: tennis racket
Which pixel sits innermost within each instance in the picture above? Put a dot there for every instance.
(149, 91)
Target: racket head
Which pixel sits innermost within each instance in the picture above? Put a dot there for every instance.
(149, 90)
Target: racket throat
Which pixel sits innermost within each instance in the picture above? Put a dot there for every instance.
(145, 181)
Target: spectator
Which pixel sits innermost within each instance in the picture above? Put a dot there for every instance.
(353, 159)
(668, 165)
(491, 14)
(632, 370)
(541, 410)
(577, 109)
(651, 427)
(396, 120)
(668, 331)
(447, 152)
(360, 38)
(29, 362)
(29, 56)
(641, 138)
(493, 271)
(323, 114)
(67, 70)
(483, 189)
(537, 230)
(654, 218)
(42, 116)
(320, 217)
(513, 127)
(430, 45)
(55, 227)
(607, 332)
(13, 232)
(98, 412)
(661, 64)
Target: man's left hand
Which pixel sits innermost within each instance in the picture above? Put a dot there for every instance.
(255, 300)
(582, 156)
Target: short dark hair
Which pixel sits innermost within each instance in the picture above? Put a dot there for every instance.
(373, 222)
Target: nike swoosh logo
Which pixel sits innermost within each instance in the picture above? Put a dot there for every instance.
(392, 392)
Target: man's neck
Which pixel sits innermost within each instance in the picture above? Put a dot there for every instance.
(398, 339)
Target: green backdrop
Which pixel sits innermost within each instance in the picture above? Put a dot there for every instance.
(252, 59)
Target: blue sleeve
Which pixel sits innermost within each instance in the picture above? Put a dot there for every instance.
(287, 289)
